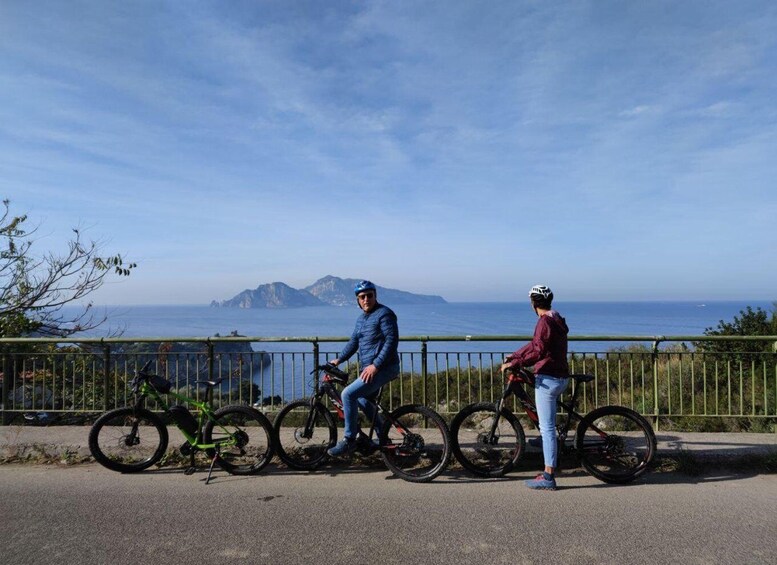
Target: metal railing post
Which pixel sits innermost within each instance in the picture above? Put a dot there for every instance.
(211, 361)
(315, 364)
(424, 371)
(6, 391)
(106, 373)
(655, 380)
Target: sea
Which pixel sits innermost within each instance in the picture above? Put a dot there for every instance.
(632, 319)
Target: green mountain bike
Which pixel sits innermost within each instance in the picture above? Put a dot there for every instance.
(237, 438)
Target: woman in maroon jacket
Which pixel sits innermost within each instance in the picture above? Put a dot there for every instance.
(547, 351)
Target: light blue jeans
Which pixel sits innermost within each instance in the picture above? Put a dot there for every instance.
(355, 395)
(546, 392)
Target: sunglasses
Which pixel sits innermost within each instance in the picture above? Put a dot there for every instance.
(365, 295)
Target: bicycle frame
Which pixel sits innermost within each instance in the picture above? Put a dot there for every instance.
(327, 388)
(515, 382)
(204, 409)
(614, 443)
(413, 440)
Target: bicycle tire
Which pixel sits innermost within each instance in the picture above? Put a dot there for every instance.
(413, 451)
(295, 450)
(128, 440)
(469, 430)
(250, 429)
(615, 444)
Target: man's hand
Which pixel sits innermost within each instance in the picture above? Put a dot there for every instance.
(334, 362)
(368, 373)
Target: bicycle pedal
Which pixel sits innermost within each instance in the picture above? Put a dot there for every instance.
(189, 471)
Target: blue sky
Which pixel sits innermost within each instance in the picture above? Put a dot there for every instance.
(612, 150)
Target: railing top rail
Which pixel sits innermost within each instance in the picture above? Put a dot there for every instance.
(327, 339)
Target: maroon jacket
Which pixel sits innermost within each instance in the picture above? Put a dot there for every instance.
(547, 351)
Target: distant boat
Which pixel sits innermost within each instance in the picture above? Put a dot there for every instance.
(701, 306)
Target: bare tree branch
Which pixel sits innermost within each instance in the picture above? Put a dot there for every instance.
(34, 289)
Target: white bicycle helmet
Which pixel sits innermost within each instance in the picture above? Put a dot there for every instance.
(541, 292)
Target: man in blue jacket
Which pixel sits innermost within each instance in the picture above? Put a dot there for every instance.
(376, 336)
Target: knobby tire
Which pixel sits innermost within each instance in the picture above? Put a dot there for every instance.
(252, 432)
(621, 450)
(115, 445)
(418, 448)
(479, 454)
(299, 452)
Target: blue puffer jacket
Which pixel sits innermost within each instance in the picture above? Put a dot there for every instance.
(376, 336)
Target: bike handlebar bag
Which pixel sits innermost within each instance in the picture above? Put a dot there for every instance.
(161, 385)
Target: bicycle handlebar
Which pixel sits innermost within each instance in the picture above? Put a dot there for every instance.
(520, 375)
(337, 374)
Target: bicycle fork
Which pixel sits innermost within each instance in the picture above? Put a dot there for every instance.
(492, 438)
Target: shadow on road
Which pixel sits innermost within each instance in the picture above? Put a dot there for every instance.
(667, 470)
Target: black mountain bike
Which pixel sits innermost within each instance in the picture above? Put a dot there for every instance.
(614, 443)
(237, 438)
(413, 440)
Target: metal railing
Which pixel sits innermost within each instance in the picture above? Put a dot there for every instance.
(660, 377)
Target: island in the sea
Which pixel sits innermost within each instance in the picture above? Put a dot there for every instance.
(327, 291)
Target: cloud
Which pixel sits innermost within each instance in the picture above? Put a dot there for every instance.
(639, 111)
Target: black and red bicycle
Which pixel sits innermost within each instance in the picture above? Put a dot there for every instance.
(413, 440)
(614, 443)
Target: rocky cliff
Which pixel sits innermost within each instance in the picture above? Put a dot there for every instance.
(339, 292)
(273, 295)
(329, 290)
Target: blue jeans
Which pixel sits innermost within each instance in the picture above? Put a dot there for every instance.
(546, 392)
(354, 395)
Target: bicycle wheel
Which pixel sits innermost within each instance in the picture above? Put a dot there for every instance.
(296, 448)
(480, 452)
(128, 440)
(245, 437)
(415, 443)
(615, 444)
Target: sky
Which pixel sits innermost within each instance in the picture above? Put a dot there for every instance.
(611, 150)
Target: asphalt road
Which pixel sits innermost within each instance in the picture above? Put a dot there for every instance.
(87, 514)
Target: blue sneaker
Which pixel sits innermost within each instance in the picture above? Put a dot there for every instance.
(345, 446)
(543, 481)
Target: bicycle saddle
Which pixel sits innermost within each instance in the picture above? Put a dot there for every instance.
(211, 383)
